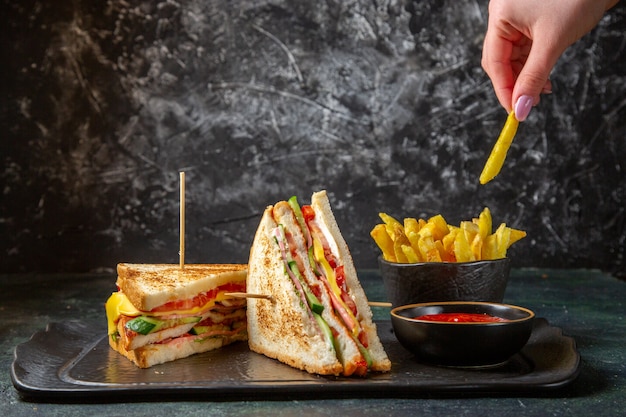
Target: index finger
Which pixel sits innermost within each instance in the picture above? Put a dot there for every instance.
(496, 61)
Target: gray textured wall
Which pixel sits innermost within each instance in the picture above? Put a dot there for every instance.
(382, 103)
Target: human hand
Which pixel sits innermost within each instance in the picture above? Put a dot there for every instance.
(524, 40)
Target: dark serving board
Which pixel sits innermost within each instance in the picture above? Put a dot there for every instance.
(72, 361)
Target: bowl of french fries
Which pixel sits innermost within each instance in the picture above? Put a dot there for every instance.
(427, 260)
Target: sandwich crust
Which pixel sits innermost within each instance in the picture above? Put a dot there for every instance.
(151, 285)
(349, 354)
(155, 354)
(324, 214)
(284, 328)
(281, 328)
(148, 286)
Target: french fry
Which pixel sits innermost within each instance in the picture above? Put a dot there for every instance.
(503, 236)
(410, 254)
(390, 224)
(434, 240)
(515, 236)
(399, 241)
(411, 229)
(448, 243)
(427, 248)
(498, 153)
(489, 247)
(473, 238)
(476, 246)
(384, 242)
(439, 226)
(411, 225)
(484, 223)
(443, 255)
(388, 220)
(470, 230)
(462, 251)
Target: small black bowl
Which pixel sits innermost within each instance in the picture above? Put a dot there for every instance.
(460, 343)
(445, 281)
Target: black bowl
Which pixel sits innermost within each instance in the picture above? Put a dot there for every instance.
(445, 281)
(459, 343)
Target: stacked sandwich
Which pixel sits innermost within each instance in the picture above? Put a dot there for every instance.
(163, 312)
(318, 319)
(306, 307)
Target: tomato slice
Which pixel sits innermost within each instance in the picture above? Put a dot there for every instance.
(340, 277)
(363, 339)
(200, 299)
(308, 213)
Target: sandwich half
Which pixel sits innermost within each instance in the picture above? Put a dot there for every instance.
(162, 312)
(318, 319)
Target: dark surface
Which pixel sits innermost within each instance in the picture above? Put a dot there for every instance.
(72, 361)
(587, 305)
(382, 103)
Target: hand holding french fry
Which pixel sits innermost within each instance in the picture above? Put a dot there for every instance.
(434, 240)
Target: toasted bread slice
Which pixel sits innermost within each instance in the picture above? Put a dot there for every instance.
(178, 348)
(282, 328)
(346, 349)
(324, 214)
(148, 286)
(285, 328)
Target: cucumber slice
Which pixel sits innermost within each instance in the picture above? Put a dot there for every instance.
(148, 324)
(202, 329)
(295, 206)
(144, 324)
(196, 330)
(364, 352)
(313, 262)
(293, 203)
(314, 303)
(326, 330)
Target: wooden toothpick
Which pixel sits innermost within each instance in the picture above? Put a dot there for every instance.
(379, 304)
(269, 297)
(247, 295)
(181, 252)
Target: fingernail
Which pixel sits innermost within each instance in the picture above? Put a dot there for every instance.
(522, 107)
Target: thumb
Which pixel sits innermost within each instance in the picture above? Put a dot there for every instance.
(533, 79)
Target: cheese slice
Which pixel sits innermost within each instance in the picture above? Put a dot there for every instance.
(318, 251)
(118, 304)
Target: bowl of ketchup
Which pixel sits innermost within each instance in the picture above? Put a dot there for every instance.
(462, 333)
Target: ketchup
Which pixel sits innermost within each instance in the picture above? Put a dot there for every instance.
(461, 318)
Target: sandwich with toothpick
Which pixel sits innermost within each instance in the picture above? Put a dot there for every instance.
(318, 318)
(164, 312)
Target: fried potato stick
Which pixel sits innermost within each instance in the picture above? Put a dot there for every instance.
(498, 153)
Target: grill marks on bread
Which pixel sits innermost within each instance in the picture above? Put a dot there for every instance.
(281, 328)
(284, 329)
(148, 286)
